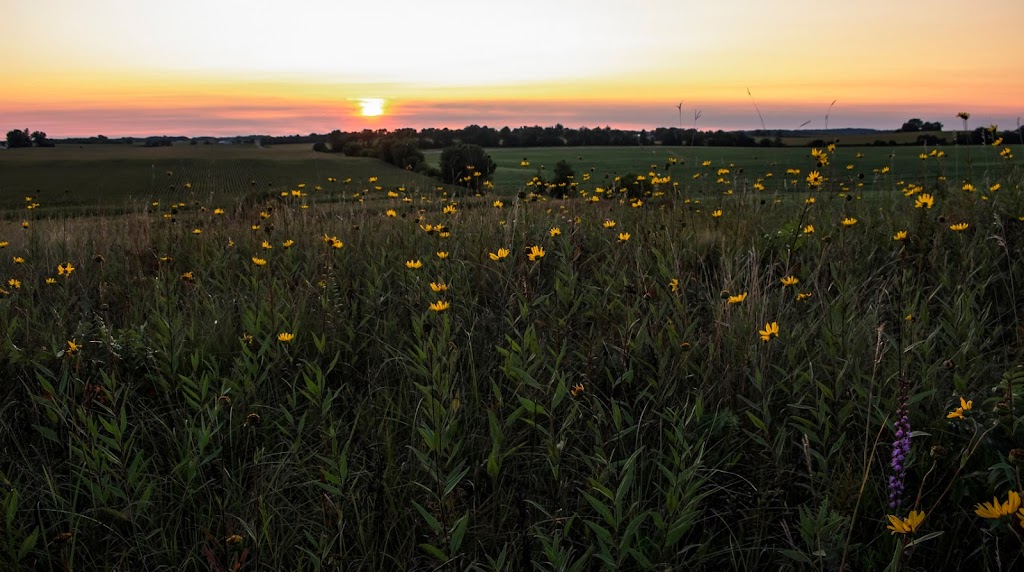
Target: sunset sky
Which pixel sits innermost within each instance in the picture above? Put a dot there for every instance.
(230, 67)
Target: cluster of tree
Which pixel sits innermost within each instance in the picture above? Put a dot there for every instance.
(987, 136)
(396, 148)
(23, 138)
(466, 165)
(916, 124)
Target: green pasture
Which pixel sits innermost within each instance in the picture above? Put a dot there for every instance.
(110, 178)
(746, 163)
(115, 178)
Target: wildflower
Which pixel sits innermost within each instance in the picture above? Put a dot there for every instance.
(24, 224)
(901, 235)
(900, 447)
(809, 201)
(789, 280)
(390, 213)
(19, 260)
(577, 389)
(188, 277)
(995, 187)
(673, 284)
(218, 211)
(73, 348)
(623, 237)
(769, 330)
(442, 255)
(737, 298)
(450, 209)
(4, 244)
(51, 280)
(497, 204)
(608, 223)
(255, 227)
(809, 229)
(716, 213)
(924, 201)
(960, 227)
(259, 261)
(197, 231)
(413, 264)
(905, 525)
(234, 539)
(438, 286)
(247, 339)
(285, 337)
(969, 188)
(849, 221)
(802, 296)
(814, 179)
(500, 255)
(440, 306)
(534, 253)
(1006, 153)
(266, 245)
(555, 231)
(288, 243)
(995, 509)
(958, 413)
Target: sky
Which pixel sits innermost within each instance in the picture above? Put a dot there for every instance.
(232, 67)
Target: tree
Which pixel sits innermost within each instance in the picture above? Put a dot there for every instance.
(562, 182)
(466, 165)
(911, 126)
(18, 138)
(336, 141)
(39, 138)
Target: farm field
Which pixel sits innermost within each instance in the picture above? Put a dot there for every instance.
(99, 179)
(105, 178)
(709, 368)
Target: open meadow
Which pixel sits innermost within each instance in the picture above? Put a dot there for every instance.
(234, 358)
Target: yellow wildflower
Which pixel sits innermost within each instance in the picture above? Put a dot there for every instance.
(996, 509)
(905, 525)
(770, 329)
(737, 298)
(958, 413)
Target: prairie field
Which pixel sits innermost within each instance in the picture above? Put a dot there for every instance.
(232, 358)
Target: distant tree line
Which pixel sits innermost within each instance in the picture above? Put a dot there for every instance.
(367, 141)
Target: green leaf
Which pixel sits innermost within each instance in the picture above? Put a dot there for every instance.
(925, 538)
(458, 532)
(434, 551)
(431, 521)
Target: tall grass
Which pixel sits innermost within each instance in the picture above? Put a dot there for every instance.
(575, 412)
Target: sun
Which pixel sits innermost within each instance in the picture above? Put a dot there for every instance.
(371, 106)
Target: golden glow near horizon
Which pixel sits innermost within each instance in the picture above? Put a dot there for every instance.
(249, 66)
